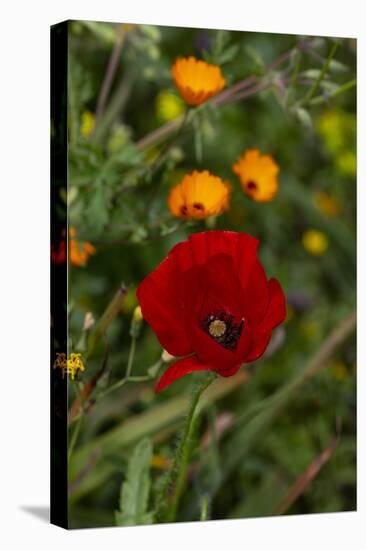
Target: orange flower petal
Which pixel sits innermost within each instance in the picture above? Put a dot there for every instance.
(199, 195)
(197, 80)
(258, 175)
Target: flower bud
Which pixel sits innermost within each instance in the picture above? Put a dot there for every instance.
(166, 357)
(136, 322)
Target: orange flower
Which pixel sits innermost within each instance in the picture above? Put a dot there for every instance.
(198, 196)
(196, 80)
(258, 175)
(79, 252)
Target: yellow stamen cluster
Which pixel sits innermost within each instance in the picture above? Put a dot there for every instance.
(69, 366)
(217, 328)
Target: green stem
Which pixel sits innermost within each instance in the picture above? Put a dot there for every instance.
(204, 509)
(115, 107)
(131, 357)
(110, 73)
(322, 74)
(181, 459)
(127, 377)
(324, 98)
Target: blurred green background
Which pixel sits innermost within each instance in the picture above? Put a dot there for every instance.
(117, 201)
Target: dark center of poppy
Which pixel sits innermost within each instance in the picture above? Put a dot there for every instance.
(222, 328)
(198, 206)
(251, 185)
(184, 210)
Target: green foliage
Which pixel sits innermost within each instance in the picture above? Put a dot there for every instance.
(135, 489)
(120, 174)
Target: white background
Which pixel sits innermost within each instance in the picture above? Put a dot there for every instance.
(24, 273)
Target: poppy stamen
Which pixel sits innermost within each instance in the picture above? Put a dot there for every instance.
(217, 328)
(222, 328)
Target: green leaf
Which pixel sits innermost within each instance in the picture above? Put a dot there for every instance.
(129, 155)
(228, 54)
(254, 56)
(136, 488)
(151, 31)
(103, 31)
(97, 210)
(311, 73)
(303, 116)
(337, 67)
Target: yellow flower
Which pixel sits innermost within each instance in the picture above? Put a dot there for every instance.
(79, 252)
(338, 129)
(87, 123)
(168, 106)
(69, 366)
(199, 195)
(137, 314)
(160, 462)
(258, 175)
(197, 80)
(330, 128)
(315, 242)
(327, 204)
(347, 163)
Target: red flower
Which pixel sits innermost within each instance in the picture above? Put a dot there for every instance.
(58, 255)
(210, 301)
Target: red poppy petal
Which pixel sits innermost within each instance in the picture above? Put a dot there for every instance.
(276, 311)
(178, 369)
(220, 284)
(162, 309)
(259, 345)
(211, 352)
(229, 371)
(247, 258)
(210, 243)
(202, 246)
(256, 295)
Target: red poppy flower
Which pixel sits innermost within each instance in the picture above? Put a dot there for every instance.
(210, 303)
(58, 254)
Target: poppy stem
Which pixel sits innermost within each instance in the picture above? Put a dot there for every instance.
(177, 472)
